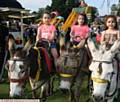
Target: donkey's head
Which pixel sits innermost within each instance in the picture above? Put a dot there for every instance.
(102, 67)
(18, 67)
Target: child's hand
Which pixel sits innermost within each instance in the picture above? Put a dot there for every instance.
(77, 46)
(74, 46)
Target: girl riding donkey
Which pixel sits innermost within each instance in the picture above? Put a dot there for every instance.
(79, 34)
(21, 66)
(43, 69)
(46, 31)
(45, 38)
(110, 35)
(73, 53)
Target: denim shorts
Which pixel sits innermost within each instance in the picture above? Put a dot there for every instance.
(53, 45)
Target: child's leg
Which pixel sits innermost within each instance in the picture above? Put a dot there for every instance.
(54, 53)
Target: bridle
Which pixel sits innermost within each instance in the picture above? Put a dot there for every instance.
(103, 81)
(99, 80)
(23, 79)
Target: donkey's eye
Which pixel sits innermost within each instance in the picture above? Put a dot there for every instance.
(21, 66)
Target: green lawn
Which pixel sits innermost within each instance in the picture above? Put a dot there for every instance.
(58, 96)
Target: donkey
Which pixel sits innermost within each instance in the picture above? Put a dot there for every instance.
(104, 72)
(28, 62)
(72, 67)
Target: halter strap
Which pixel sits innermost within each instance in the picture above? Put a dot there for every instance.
(98, 80)
(19, 80)
(66, 75)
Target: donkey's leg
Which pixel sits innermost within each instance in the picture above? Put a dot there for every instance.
(47, 88)
(77, 87)
(51, 85)
(44, 92)
(32, 84)
(71, 95)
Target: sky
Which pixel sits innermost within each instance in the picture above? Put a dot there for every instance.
(34, 5)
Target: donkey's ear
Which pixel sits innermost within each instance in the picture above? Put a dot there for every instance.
(27, 46)
(11, 46)
(91, 45)
(115, 46)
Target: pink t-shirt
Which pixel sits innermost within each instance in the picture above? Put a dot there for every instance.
(81, 31)
(45, 31)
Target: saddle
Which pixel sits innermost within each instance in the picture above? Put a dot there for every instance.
(68, 62)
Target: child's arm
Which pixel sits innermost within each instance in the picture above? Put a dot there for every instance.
(81, 44)
(71, 35)
(102, 41)
(52, 32)
(83, 38)
(38, 37)
(118, 35)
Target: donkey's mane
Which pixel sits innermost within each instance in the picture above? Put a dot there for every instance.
(20, 53)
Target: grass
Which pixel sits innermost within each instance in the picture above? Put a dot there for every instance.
(4, 91)
(58, 96)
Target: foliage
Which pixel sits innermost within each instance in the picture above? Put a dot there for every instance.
(10, 3)
(64, 7)
(39, 13)
(115, 9)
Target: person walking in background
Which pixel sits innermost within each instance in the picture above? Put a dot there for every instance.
(3, 45)
(95, 32)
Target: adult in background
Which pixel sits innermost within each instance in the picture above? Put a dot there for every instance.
(3, 45)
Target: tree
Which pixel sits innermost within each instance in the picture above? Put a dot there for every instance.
(10, 3)
(114, 9)
(40, 12)
(118, 9)
(64, 7)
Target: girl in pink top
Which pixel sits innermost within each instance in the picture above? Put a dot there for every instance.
(47, 31)
(80, 31)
